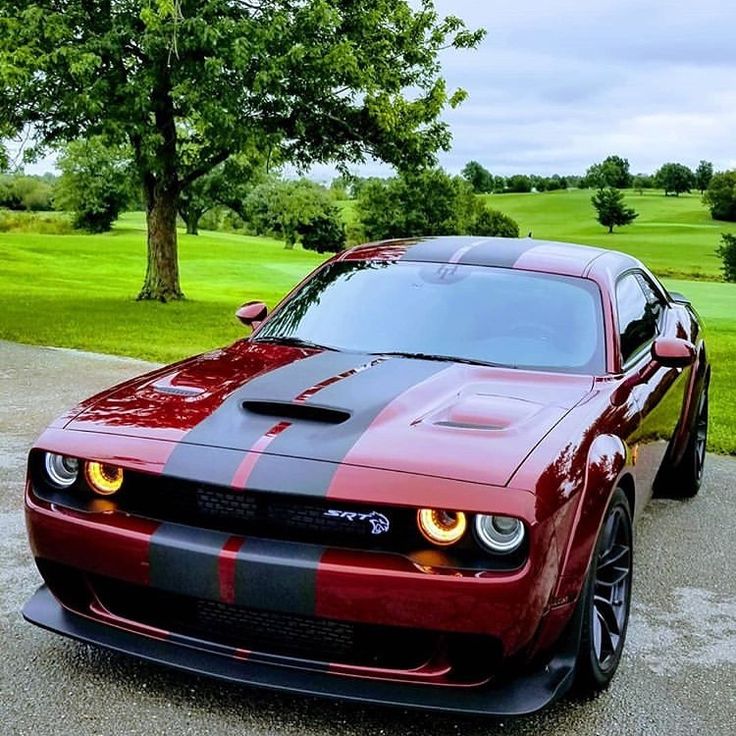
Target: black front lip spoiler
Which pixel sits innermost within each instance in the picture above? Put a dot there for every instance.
(520, 696)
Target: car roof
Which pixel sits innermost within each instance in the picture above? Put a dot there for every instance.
(527, 254)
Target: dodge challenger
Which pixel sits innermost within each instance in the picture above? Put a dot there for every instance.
(415, 483)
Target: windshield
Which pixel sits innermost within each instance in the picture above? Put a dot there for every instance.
(473, 313)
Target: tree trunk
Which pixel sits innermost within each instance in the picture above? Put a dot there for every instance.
(192, 221)
(162, 273)
(610, 229)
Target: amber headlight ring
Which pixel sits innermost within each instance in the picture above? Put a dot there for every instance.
(442, 527)
(103, 479)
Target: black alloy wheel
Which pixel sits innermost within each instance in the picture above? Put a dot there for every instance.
(606, 600)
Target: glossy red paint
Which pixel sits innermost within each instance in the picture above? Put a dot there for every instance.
(251, 314)
(107, 544)
(226, 568)
(547, 448)
(673, 352)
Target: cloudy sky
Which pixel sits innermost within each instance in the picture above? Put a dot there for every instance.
(559, 84)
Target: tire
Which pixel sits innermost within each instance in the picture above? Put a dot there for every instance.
(685, 478)
(606, 600)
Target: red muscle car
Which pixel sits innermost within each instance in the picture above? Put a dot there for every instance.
(415, 483)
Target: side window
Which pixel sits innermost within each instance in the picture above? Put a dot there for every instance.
(637, 317)
(652, 296)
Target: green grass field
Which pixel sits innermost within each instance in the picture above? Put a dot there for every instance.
(79, 291)
(674, 236)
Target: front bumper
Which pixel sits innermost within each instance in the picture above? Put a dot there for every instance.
(524, 694)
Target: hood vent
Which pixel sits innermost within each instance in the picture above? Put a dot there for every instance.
(288, 410)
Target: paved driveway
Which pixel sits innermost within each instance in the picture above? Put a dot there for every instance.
(678, 675)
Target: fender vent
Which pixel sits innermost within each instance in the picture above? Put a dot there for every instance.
(287, 410)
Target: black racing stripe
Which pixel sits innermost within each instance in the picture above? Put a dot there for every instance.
(436, 250)
(185, 560)
(205, 464)
(364, 395)
(277, 576)
(229, 426)
(499, 252)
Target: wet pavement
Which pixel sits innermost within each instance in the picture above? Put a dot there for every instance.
(678, 675)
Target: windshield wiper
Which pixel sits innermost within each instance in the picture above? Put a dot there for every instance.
(296, 342)
(443, 358)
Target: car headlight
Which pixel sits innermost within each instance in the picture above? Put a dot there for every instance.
(441, 527)
(499, 534)
(103, 479)
(61, 470)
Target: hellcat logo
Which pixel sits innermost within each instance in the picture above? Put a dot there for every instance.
(379, 523)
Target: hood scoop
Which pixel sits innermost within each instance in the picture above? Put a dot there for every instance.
(481, 411)
(289, 410)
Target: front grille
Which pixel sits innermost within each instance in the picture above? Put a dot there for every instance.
(269, 632)
(277, 516)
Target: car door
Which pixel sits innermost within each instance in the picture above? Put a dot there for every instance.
(644, 315)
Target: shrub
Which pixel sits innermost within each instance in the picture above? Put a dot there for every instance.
(492, 223)
(720, 197)
(324, 233)
(32, 222)
(727, 252)
(95, 183)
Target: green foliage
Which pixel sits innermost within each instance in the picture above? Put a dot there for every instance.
(720, 196)
(284, 209)
(611, 209)
(492, 223)
(95, 183)
(641, 182)
(188, 85)
(324, 233)
(703, 175)
(675, 179)
(613, 171)
(426, 203)
(727, 252)
(30, 193)
(478, 177)
(225, 186)
(519, 183)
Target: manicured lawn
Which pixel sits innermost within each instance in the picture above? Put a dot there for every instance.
(674, 236)
(79, 291)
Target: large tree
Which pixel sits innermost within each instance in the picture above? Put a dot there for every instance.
(478, 177)
(613, 171)
(703, 175)
(189, 83)
(675, 179)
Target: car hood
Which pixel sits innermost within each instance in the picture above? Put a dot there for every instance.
(262, 402)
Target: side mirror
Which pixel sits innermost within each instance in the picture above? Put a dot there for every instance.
(667, 352)
(251, 314)
(673, 352)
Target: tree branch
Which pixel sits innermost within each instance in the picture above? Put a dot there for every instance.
(203, 168)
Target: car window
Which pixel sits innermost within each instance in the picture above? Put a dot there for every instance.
(494, 315)
(653, 297)
(637, 316)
